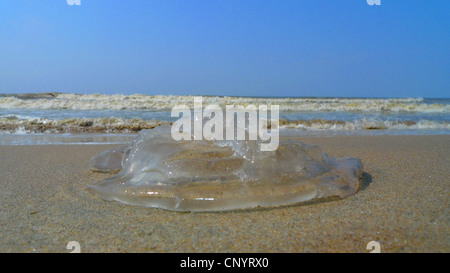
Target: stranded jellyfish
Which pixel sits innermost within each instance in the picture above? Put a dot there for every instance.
(199, 175)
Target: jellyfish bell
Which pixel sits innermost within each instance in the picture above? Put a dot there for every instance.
(200, 175)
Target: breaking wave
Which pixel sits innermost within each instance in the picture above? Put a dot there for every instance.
(160, 102)
(14, 124)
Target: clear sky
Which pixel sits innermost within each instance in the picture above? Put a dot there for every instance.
(226, 47)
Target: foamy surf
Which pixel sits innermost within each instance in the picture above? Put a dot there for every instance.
(14, 125)
(48, 118)
(76, 125)
(60, 101)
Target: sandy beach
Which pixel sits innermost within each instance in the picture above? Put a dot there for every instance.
(403, 203)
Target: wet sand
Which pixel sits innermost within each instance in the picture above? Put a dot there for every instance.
(403, 204)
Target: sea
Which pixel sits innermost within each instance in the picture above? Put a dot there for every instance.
(66, 118)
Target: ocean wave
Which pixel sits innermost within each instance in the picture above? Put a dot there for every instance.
(13, 124)
(160, 102)
(363, 124)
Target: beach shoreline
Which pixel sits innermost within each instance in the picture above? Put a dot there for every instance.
(402, 203)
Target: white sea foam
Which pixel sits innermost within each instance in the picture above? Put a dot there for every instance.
(75, 125)
(363, 124)
(160, 102)
(120, 125)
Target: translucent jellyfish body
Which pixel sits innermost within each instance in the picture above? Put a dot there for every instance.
(199, 175)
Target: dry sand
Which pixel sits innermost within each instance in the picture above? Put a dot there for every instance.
(403, 204)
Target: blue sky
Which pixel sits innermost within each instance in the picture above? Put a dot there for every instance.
(211, 47)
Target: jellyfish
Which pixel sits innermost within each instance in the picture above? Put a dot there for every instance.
(156, 171)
